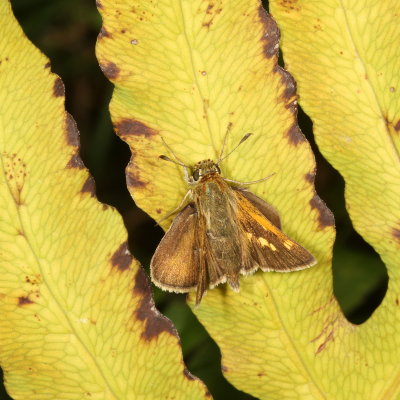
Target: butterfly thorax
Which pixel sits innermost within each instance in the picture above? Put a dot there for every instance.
(209, 190)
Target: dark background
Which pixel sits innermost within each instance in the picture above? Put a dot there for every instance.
(66, 32)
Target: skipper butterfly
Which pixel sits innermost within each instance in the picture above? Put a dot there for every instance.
(222, 231)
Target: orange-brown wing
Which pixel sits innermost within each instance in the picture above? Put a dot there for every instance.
(267, 246)
(175, 265)
(266, 209)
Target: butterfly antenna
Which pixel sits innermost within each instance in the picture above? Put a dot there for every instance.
(173, 161)
(224, 142)
(244, 138)
(176, 161)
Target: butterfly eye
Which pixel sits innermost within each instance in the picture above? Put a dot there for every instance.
(218, 168)
(196, 175)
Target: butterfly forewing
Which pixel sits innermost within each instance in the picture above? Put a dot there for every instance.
(269, 248)
(175, 264)
(266, 209)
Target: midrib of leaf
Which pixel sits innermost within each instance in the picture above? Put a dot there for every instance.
(61, 310)
(306, 369)
(189, 49)
(351, 36)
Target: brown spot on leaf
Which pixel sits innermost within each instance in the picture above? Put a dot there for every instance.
(397, 301)
(295, 135)
(158, 211)
(325, 217)
(397, 126)
(155, 323)
(33, 280)
(58, 88)
(98, 4)
(261, 374)
(396, 234)
(310, 176)
(75, 162)
(110, 70)
(72, 134)
(289, 83)
(387, 122)
(15, 171)
(104, 33)
(270, 37)
(71, 130)
(128, 127)
(211, 13)
(122, 258)
(133, 180)
(291, 5)
(47, 65)
(224, 368)
(89, 186)
(24, 300)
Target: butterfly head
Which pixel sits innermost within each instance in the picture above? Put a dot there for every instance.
(203, 168)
